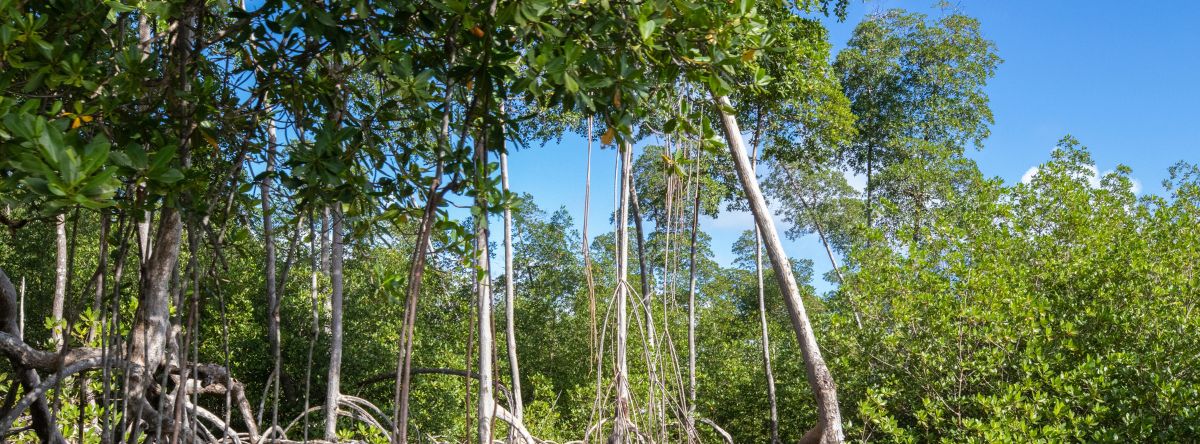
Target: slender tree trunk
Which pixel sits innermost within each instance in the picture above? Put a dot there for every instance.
(325, 241)
(314, 292)
(623, 426)
(641, 246)
(272, 292)
(416, 270)
(21, 314)
(762, 307)
(483, 298)
(870, 183)
(333, 388)
(593, 343)
(819, 378)
(647, 300)
(60, 280)
(648, 307)
(510, 299)
(766, 338)
(692, 301)
(151, 328)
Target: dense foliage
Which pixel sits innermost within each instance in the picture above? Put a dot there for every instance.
(235, 222)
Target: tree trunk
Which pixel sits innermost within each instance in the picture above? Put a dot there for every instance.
(762, 309)
(272, 294)
(325, 241)
(483, 298)
(766, 338)
(692, 295)
(415, 272)
(60, 281)
(622, 428)
(510, 299)
(333, 388)
(593, 338)
(870, 183)
(819, 378)
(151, 327)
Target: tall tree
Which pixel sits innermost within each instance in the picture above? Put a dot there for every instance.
(916, 86)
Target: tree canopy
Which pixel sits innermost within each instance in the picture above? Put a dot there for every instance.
(287, 221)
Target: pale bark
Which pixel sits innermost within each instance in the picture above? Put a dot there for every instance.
(325, 241)
(314, 293)
(623, 426)
(269, 275)
(484, 299)
(593, 343)
(60, 280)
(762, 307)
(510, 299)
(21, 310)
(143, 233)
(692, 295)
(819, 379)
(333, 381)
(151, 327)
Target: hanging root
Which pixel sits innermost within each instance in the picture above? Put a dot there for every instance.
(720, 431)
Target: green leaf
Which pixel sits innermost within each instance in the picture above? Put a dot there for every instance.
(646, 28)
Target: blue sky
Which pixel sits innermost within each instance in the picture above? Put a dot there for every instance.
(1118, 76)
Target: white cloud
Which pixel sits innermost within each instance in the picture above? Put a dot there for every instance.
(1093, 178)
(1028, 176)
(856, 181)
(739, 220)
